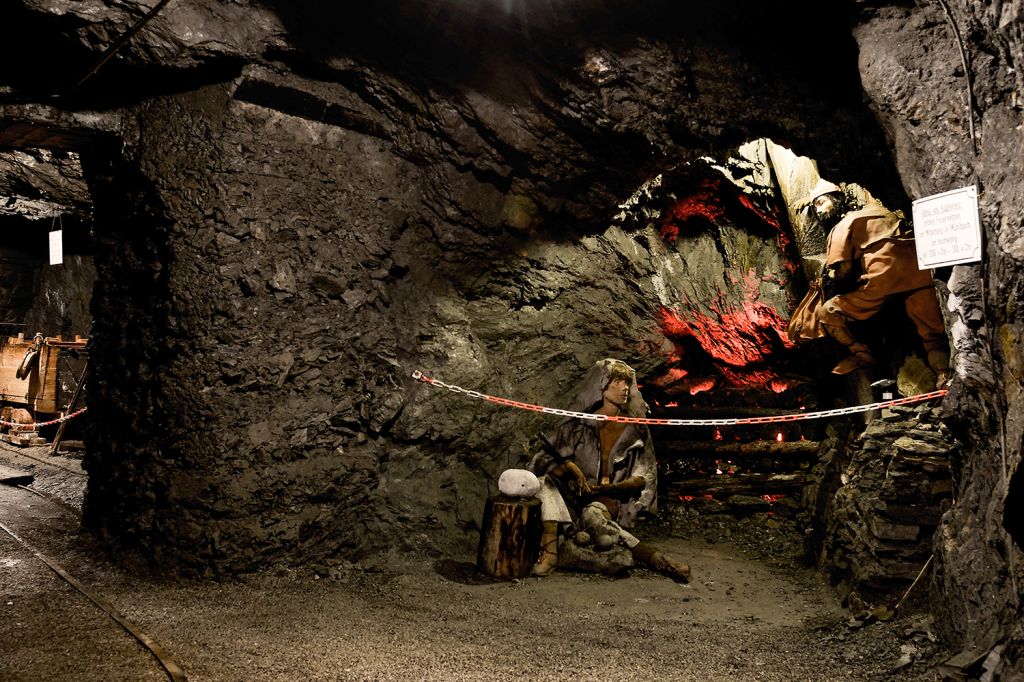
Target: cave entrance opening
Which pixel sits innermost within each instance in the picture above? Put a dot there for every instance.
(48, 276)
(741, 248)
(742, 231)
(732, 240)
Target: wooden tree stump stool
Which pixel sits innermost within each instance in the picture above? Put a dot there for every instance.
(509, 537)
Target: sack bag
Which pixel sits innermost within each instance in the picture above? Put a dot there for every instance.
(805, 323)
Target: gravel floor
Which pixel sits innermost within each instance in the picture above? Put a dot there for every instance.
(749, 613)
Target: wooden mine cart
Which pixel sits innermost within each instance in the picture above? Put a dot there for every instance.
(29, 373)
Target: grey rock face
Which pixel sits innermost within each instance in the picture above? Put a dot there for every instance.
(296, 222)
(881, 510)
(56, 178)
(305, 210)
(911, 65)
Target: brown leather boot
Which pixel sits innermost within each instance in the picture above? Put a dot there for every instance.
(548, 558)
(860, 356)
(660, 562)
(668, 566)
(938, 360)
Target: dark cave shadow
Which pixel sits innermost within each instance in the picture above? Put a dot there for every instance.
(59, 60)
(1013, 508)
(459, 42)
(463, 572)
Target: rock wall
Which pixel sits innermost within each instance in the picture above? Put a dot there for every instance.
(320, 200)
(63, 294)
(279, 306)
(911, 67)
(872, 521)
(17, 282)
(277, 252)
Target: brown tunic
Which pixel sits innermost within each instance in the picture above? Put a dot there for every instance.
(877, 240)
(875, 237)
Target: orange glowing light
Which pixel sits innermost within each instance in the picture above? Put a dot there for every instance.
(718, 435)
(701, 385)
(670, 377)
(742, 339)
(704, 203)
(672, 404)
(778, 437)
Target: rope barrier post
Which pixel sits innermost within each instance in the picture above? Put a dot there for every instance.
(36, 425)
(70, 408)
(651, 421)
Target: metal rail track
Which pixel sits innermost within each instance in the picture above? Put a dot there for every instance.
(174, 672)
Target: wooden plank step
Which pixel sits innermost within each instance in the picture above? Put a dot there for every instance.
(739, 484)
(30, 439)
(805, 449)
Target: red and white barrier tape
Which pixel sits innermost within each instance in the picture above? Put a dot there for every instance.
(651, 421)
(33, 427)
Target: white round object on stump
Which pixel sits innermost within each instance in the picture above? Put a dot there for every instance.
(518, 483)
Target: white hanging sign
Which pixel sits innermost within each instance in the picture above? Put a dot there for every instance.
(56, 247)
(947, 228)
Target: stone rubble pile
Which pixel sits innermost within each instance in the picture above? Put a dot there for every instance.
(892, 483)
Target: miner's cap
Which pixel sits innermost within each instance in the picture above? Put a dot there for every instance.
(823, 186)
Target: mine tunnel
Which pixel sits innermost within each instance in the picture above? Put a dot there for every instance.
(307, 309)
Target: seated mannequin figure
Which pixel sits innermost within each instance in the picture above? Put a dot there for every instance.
(600, 474)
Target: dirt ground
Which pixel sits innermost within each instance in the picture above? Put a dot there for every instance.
(749, 613)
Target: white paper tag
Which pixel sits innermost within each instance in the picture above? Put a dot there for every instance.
(57, 247)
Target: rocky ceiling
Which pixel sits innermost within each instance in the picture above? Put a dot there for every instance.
(38, 183)
(297, 204)
(506, 53)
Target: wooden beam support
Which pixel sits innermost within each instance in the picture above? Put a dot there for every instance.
(738, 484)
(724, 450)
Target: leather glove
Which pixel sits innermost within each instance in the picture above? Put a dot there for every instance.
(633, 483)
(579, 476)
(628, 488)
